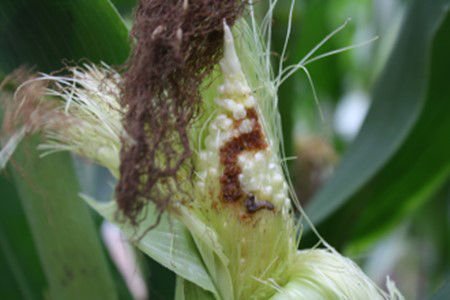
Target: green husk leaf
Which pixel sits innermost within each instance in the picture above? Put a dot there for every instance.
(325, 274)
(211, 251)
(170, 243)
(186, 290)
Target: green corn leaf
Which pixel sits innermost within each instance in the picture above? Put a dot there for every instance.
(125, 7)
(443, 292)
(61, 225)
(21, 274)
(426, 146)
(170, 243)
(41, 33)
(401, 155)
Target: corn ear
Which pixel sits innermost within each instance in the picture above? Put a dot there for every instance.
(229, 230)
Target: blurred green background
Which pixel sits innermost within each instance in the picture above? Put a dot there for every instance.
(372, 174)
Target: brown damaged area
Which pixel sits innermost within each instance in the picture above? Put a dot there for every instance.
(231, 190)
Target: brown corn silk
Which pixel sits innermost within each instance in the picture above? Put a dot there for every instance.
(177, 44)
(26, 107)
